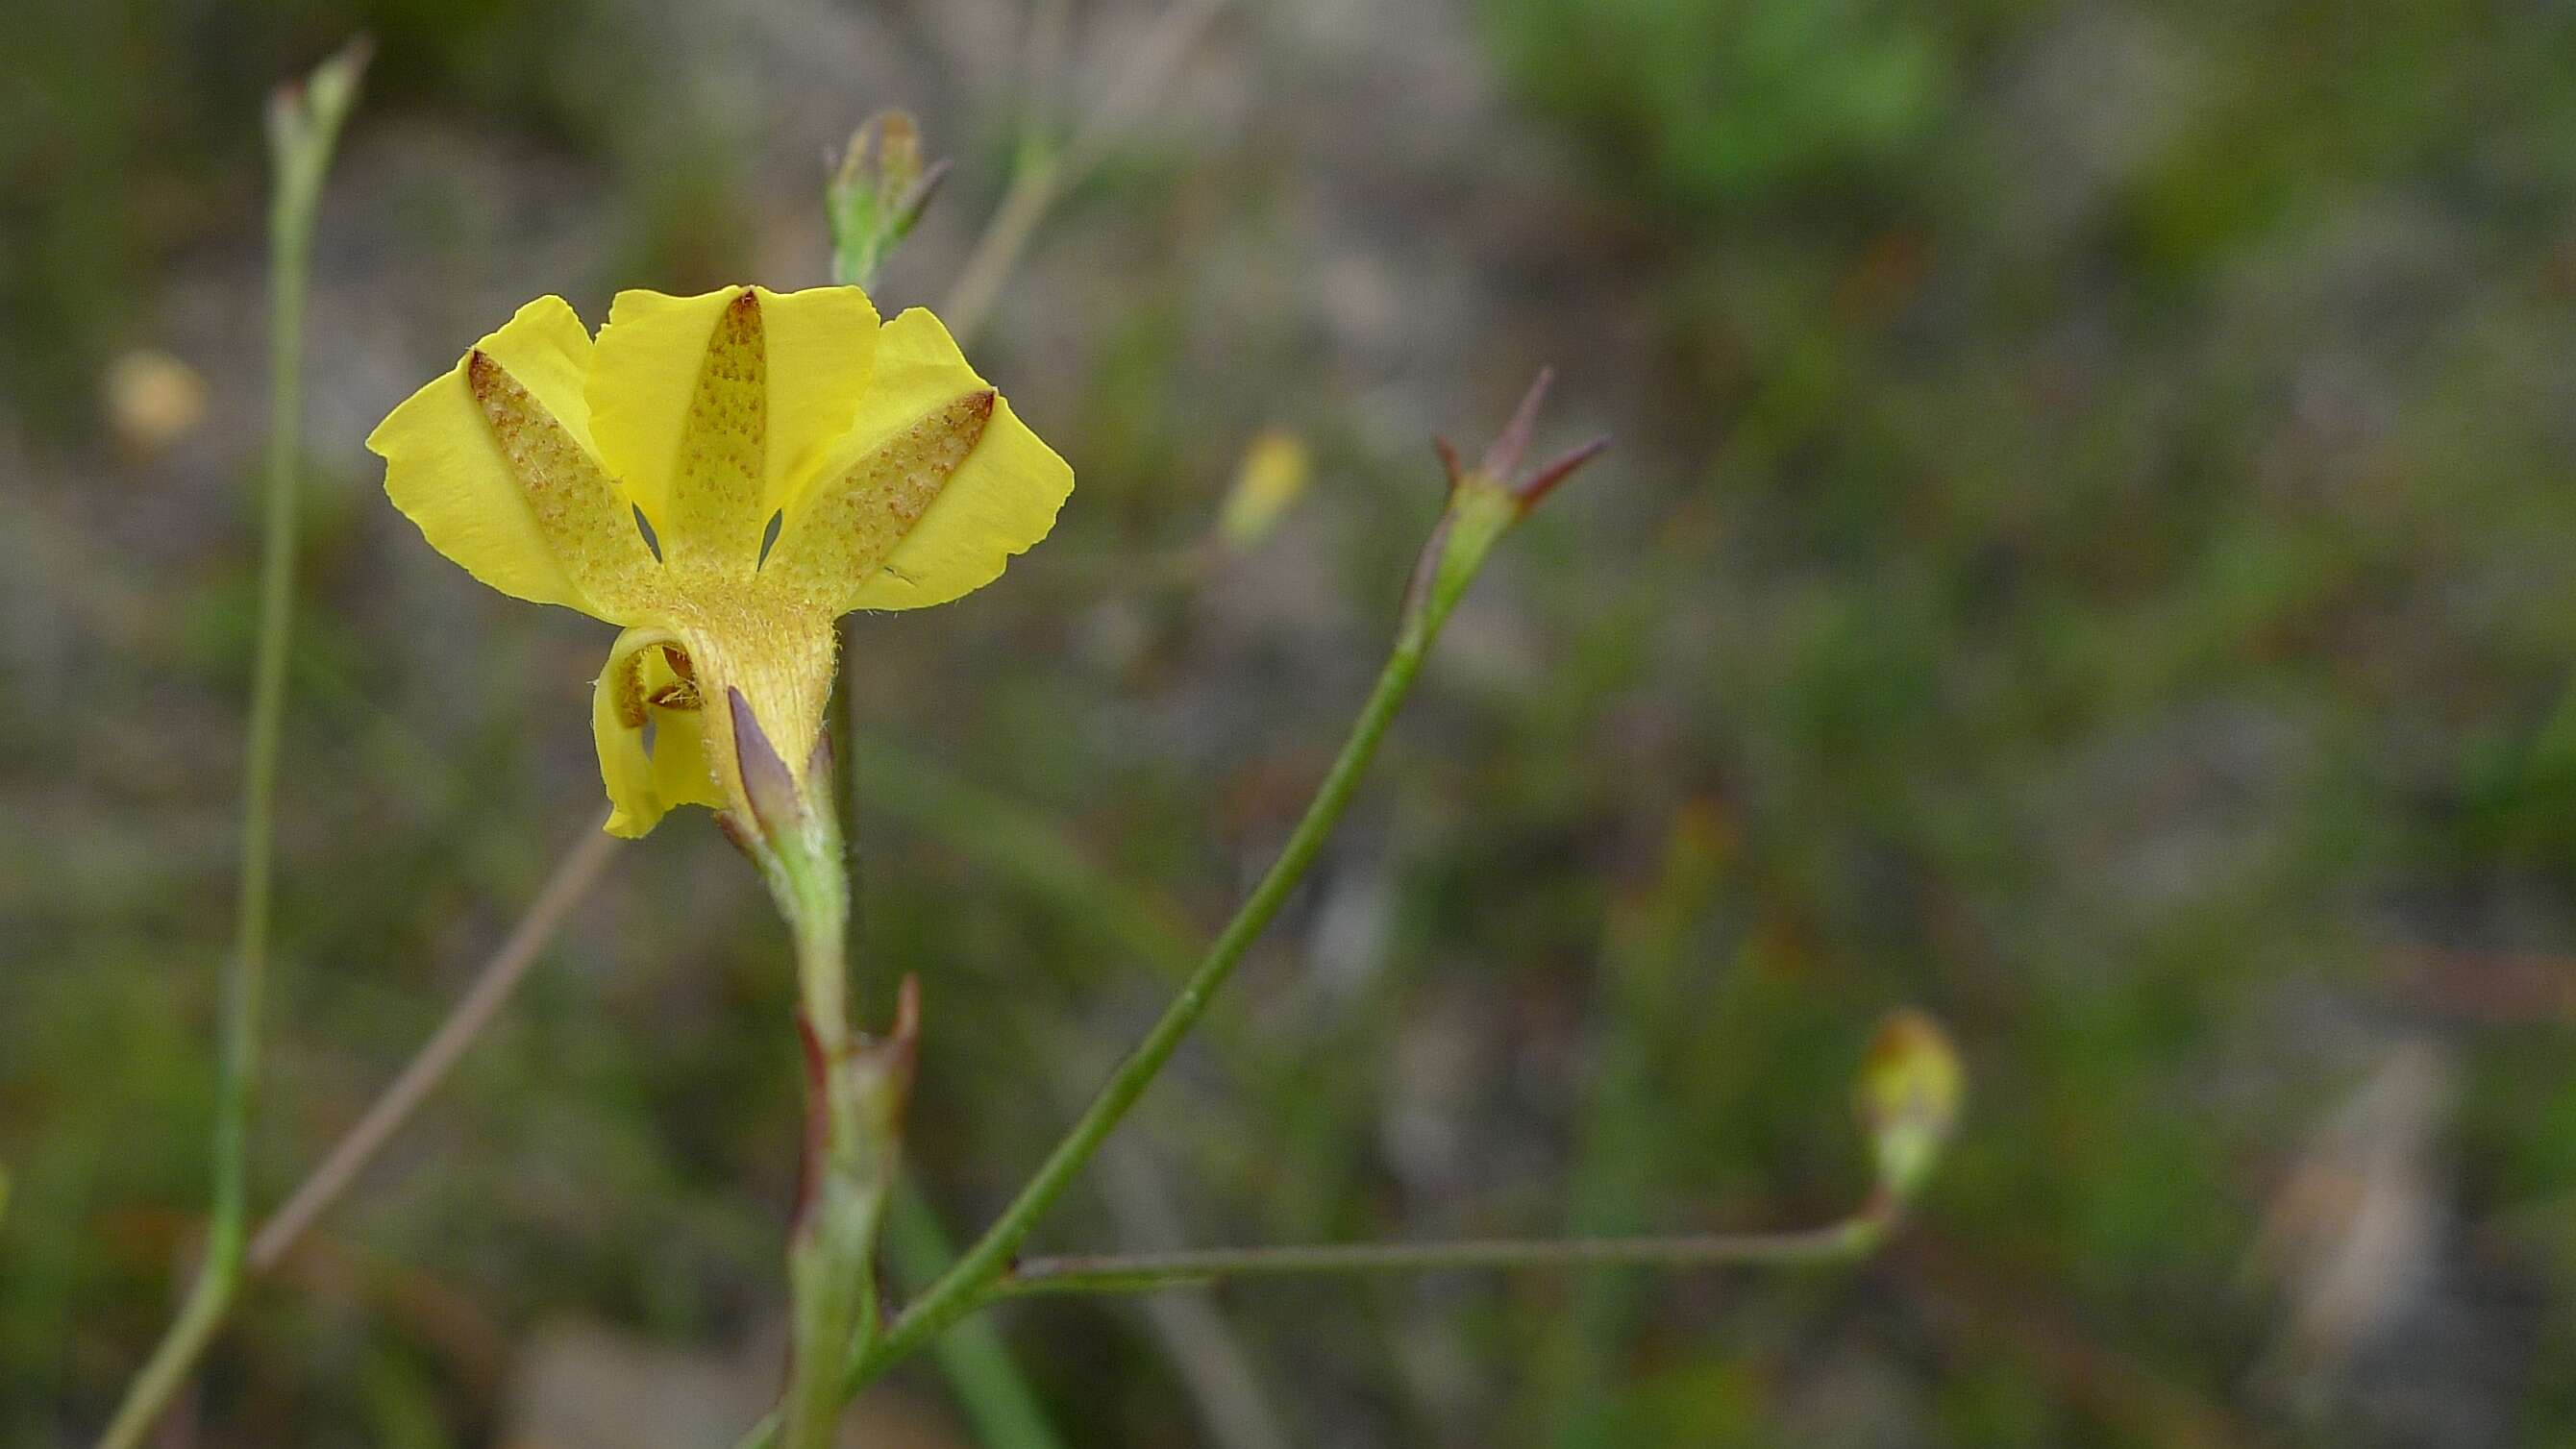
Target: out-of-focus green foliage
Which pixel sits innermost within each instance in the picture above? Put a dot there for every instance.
(121, 148)
(1720, 104)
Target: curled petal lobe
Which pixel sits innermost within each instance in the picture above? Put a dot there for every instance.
(617, 720)
(640, 686)
(998, 497)
(493, 462)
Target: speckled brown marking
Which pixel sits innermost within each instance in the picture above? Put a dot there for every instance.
(578, 510)
(849, 529)
(629, 687)
(716, 494)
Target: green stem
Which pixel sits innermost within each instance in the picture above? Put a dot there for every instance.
(847, 1148)
(969, 1283)
(965, 1286)
(304, 124)
(1148, 1272)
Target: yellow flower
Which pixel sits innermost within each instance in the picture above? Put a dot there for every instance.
(793, 461)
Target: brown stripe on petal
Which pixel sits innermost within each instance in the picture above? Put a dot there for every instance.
(851, 526)
(580, 513)
(716, 496)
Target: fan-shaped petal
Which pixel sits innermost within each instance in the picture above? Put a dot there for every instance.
(494, 462)
(936, 487)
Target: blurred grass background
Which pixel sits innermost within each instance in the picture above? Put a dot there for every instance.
(2087, 552)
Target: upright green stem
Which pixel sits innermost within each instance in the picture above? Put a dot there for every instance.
(874, 198)
(855, 1088)
(303, 124)
(832, 1289)
(851, 1104)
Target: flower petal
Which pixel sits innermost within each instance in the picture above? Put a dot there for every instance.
(493, 462)
(677, 402)
(844, 533)
(898, 519)
(822, 348)
(715, 409)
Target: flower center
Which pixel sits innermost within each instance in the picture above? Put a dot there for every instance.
(680, 691)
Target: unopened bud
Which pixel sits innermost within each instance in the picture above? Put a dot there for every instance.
(898, 151)
(1910, 1090)
(876, 194)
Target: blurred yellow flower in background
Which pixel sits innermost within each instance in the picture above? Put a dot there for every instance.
(723, 476)
(1267, 484)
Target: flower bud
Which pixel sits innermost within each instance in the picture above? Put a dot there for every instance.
(1909, 1094)
(876, 194)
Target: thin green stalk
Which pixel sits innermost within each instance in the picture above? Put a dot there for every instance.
(833, 1293)
(303, 126)
(855, 1088)
(1148, 1272)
